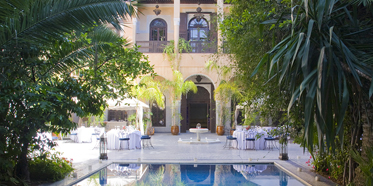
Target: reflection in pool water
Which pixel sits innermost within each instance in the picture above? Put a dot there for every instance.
(189, 174)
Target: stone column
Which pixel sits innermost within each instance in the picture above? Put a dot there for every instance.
(176, 29)
(220, 14)
(134, 29)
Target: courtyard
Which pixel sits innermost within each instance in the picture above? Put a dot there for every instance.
(168, 150)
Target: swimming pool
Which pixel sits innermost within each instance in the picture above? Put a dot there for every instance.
(119, 174)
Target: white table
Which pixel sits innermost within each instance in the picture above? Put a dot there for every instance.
(198, 131)
(84, 134)
(114, 143)
(241, 139)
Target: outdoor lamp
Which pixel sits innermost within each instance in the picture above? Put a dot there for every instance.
(199, 15)
(283, 141)
(103, 147)
(103, 176)
(157, 11)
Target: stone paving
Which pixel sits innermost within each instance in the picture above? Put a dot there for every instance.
(168, 150)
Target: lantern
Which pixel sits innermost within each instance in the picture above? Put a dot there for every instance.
(103, 147)
(103, 176)
(283, 141)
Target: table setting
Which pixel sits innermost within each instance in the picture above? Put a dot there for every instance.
(85, 134)
(126, 132)
(259, 133)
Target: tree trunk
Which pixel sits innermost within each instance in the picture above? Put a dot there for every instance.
(367, 141)
(22, 170)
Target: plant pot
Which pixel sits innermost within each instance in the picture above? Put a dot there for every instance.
(232, 130)
(175, 130)
(220, 130)
(150, 131)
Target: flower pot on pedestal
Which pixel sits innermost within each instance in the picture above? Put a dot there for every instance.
(220, 130)
(175, 130)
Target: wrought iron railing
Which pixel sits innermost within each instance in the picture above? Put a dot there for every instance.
(152, 46)
(158, 46)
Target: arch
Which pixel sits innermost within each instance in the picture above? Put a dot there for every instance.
(159, 115)
(158, 30)
(198, 29)
(204, 76)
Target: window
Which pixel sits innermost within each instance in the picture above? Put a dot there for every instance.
(198, 30)
(117, 115)
(158, 30)
(159, 116)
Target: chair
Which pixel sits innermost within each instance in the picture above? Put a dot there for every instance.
(269, 143)
(75, 136)
(124, 139)
(146, 142)
(96, 136)
(228, 142)
(250, 138)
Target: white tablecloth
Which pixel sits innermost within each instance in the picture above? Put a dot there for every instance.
(241, 139)
(84, 134)
(114, 143)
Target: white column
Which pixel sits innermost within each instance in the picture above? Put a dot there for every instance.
(176, 28)
(220, 15)
(217, 113)
(134, 29)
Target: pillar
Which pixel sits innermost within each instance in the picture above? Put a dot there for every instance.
(220, 15)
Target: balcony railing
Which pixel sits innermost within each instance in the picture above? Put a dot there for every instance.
(152, 46)
(158, 46)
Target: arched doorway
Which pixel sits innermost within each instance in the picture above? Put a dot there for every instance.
(196, 108)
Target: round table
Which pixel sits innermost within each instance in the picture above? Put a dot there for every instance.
(198, 131)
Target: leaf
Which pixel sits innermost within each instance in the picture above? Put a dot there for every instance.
(307, 49)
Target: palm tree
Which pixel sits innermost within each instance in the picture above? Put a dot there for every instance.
(151, 91)
(225, 92)
(34, 45)
(176, 88)
(326, 63)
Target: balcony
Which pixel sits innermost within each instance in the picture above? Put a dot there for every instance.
(158, 46)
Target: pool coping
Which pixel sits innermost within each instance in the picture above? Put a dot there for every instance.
(289, 167)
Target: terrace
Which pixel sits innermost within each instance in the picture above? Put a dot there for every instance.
(168, 150)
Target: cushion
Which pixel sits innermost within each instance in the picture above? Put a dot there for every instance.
(124, 138)
(145, 137)
(250, 139)
(231, 138)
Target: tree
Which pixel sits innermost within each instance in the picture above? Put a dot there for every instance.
(241, 31)
(326, 61)
(57, 59)
(151, 90)
(176, 88)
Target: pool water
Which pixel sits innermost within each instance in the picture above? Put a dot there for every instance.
(190, 174)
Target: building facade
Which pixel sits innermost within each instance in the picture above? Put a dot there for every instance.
(161, 21)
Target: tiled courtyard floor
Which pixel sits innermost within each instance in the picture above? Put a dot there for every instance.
(168, 150)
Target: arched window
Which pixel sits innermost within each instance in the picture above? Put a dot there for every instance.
(158, 30)
(159, 115)
(198, 29)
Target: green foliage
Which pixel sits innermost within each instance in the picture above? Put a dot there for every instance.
(172, 56)
(49, 70)
(132, 118)
(365, 164)
(176, 88)
(330, 164)
(49, 167)
(248, 39)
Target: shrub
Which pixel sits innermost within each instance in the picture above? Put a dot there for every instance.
(49, 167)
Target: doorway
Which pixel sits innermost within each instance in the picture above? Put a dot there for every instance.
(198, 113)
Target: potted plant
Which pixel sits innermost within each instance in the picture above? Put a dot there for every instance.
(225, 92)
(176, 88)
(150, 90)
